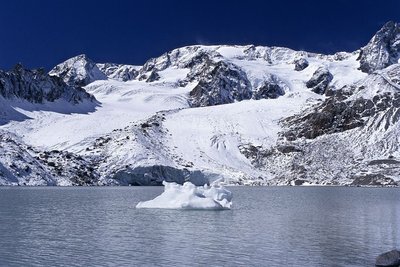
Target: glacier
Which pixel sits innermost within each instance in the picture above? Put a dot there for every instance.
(251, 115)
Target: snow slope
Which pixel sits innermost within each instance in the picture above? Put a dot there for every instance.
(121, 103)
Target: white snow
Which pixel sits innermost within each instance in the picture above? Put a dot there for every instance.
(190, 197)
(121, 104)
(207, 138)
(172, 75)
(80, 67)
(210, 136)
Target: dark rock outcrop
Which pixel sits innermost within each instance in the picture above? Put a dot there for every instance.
(256, 154)
(37, 86)
(299, 182)
(300, 64)
(382, 50)
(155, 175)
(200, 59)
(154, 76)
(333, 115)
(272, 87)
(320, 80)
(349, 107)
(119, 72)
(285, 149)
(384, 161)
(372, 180)
(388, 259)
(221, 83)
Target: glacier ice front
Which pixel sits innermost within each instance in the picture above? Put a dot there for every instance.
(189, 196)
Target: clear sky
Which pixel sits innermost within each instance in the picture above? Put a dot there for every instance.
(42, 33)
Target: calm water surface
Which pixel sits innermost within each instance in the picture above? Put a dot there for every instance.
(268, 226)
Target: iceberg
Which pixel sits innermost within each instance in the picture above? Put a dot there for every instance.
(190, 197)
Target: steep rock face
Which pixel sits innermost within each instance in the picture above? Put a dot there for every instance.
(335, 114)
(185, 57)
(36, 86)
(119, 72)
(191, 57)
(320, 80)
(271, 87)
(376, 100)
(78, 71)
(382, 50)
(155, 175)
(221, 83)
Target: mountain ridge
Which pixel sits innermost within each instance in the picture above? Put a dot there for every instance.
(245, 114)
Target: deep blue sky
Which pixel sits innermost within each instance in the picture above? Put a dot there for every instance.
(43, 33)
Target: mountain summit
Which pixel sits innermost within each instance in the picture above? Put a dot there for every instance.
(38, 87)
(79, 70)
(382, 50)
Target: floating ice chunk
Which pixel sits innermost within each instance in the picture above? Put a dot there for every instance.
(188, 196)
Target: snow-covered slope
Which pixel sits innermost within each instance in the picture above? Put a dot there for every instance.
(352, 137)
(21, 164)
(34, 89)
(245, 114)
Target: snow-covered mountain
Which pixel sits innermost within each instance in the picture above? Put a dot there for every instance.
(383, 49)
(119, 72)
(37, 86)
(81, 71)
(22, 89)
(244, 114)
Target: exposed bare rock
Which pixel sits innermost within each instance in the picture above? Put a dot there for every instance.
(382, 50)
(320, 80)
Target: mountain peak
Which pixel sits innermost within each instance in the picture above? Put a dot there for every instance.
(78, 71)
(382, 50)
(80, 57)
(389, 25)
(37, 86)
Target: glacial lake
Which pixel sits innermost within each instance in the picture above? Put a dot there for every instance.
(268, 226)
